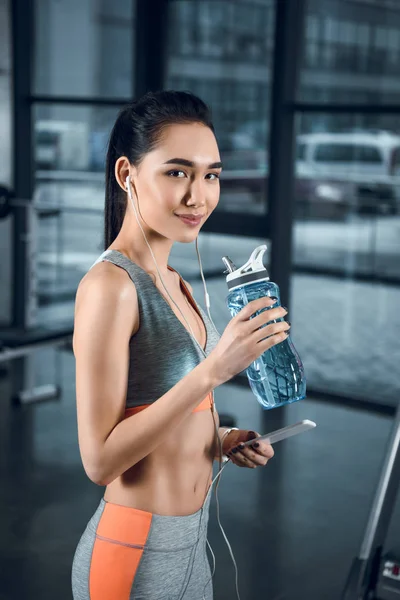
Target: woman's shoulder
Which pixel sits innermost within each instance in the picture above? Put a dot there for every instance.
(106, 287)
(106, 313)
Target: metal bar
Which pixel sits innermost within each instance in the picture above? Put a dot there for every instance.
(231, 223)
(80, 100)
(337, 273)
(88, 177)
(385, 497)
(7, 354)
(248, 175)
(134, 4)
(221, 222)
(23, 164)
(311, 270)
(287, 52)
(40, 393)
(307, 107)
(366, 568)
(150, 56)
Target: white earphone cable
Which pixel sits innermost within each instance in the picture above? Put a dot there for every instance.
(206, 296)
(156, 265)
(207, 300)
(218, 476)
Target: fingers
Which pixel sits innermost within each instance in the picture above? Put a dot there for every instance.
(254, 306)
(273, 340)
(261, 331)
(253, 456)
(271, 330)
(251, 435)
(263, 449)
(266, 316)
(242, 461)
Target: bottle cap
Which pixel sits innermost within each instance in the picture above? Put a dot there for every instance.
(250, 272)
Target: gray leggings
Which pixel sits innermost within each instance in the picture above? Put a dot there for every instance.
(130, 554)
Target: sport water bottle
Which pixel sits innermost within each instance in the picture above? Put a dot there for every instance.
(277, 376)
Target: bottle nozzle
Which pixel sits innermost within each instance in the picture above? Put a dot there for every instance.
(230, 266)
(253, 270)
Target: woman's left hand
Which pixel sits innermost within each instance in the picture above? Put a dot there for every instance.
(256, 455)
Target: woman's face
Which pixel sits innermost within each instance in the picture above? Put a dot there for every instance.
(177, 184)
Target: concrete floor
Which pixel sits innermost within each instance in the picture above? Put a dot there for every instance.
(294, 526)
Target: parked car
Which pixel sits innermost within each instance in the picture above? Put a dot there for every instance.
(247, 172)
(370, 161)
(336, 173)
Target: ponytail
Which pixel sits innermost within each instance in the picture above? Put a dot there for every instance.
(115, 204)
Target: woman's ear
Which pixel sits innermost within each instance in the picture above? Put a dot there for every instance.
(122, 171)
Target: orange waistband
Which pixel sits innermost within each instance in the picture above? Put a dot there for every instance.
(205, 404)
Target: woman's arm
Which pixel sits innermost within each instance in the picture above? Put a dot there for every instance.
(106, 316)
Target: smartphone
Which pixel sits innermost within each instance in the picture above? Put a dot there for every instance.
(285, 432)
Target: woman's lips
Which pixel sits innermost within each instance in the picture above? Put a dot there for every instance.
(191, 221)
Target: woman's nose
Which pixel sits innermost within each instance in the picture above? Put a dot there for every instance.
(197, 196)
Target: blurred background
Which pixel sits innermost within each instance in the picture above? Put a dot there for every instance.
(305, 96)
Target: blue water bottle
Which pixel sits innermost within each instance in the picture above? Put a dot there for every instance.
(277, 376)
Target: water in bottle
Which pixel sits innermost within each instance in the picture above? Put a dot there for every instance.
(277, 376)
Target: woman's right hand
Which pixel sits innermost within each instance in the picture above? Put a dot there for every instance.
(243, 341)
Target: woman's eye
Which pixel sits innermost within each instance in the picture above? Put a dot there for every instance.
(180, 174)
(176, 173)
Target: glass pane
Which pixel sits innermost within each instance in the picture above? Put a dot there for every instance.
(346, 254)
(84, 48)
(5, 160)
(223, 52)
(351, 52)
(70, 148)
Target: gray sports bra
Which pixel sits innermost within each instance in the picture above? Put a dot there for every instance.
(162, 351)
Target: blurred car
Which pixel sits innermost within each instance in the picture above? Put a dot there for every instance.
(337, 174)
(247, 171)
(368, 162)
(324, 198)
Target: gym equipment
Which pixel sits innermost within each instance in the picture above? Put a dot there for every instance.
(15, 345)
(374, 575)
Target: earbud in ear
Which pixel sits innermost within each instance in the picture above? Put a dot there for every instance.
(127, 183)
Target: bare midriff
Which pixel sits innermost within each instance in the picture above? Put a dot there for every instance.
(174, 479)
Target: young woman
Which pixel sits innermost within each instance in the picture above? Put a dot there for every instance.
(148, 360)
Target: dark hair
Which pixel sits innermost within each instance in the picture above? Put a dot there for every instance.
(137, 131)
